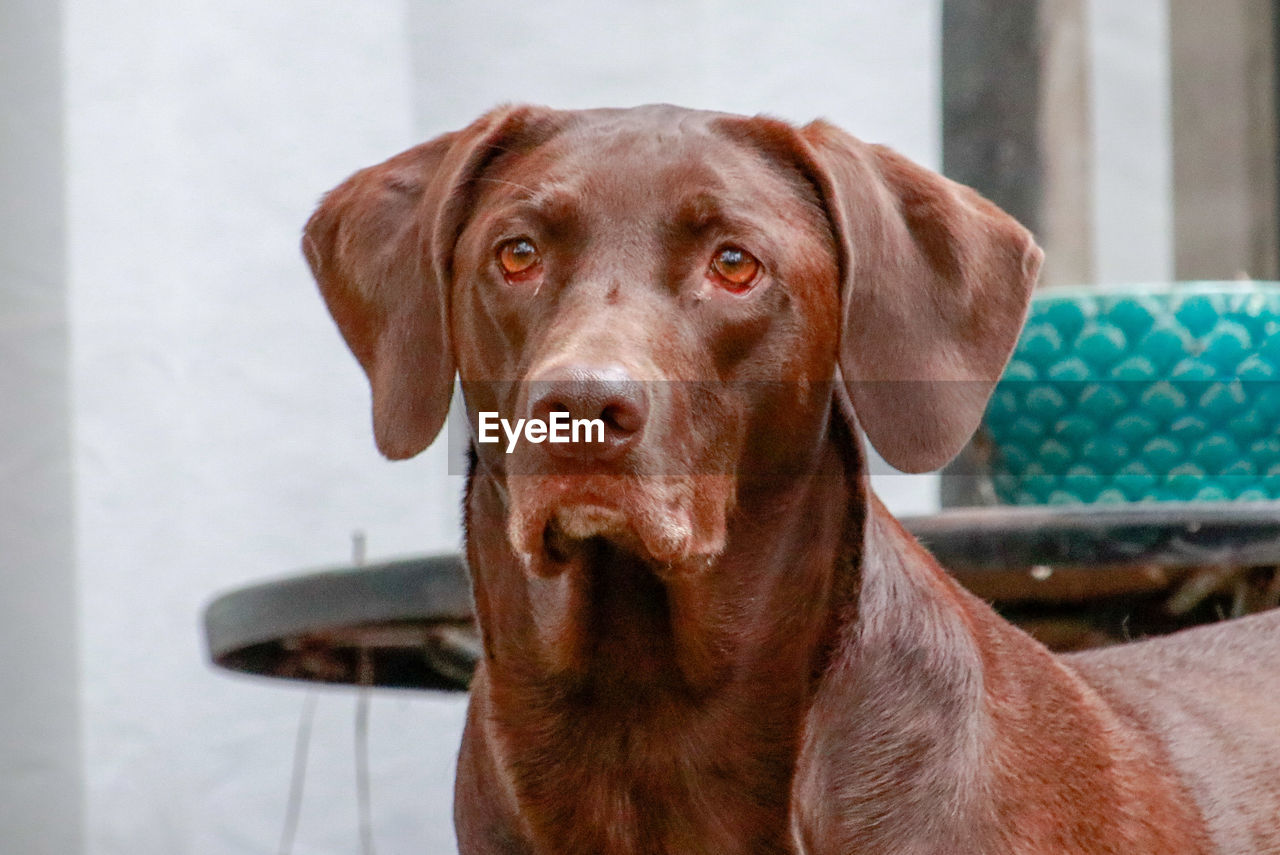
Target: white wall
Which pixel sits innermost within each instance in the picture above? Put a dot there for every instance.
(870, 67)
(221, 427)
(221, 430)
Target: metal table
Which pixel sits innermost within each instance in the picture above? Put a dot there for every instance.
(408, 623)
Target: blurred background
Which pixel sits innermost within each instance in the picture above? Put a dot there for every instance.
(179, 416)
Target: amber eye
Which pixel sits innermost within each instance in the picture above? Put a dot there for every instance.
(734, 268)
(519, 258)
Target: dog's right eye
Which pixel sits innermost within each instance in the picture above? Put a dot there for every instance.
(519, 259)
(734, 268)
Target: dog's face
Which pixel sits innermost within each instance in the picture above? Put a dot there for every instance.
(663, 274)
(693, 282)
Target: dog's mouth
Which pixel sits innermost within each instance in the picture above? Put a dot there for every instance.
(570, 527)
(665, 522)
(562, 532)
(582, 522)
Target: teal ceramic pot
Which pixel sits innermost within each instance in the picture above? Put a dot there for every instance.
(1162, 392)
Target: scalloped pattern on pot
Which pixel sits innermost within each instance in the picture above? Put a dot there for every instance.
(1151, 393)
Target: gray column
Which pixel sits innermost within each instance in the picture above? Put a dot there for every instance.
(991, 102)
(41, 799)
(991, 141)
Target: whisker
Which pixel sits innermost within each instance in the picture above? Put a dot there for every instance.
(504, 181)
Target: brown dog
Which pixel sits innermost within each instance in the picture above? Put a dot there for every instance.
(702, 632)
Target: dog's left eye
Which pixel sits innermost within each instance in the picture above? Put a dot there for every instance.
(519, 259)
(734, 268)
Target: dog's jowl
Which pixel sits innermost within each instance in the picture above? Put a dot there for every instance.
(702, 632)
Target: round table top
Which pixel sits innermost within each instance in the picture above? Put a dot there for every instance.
(399, 624)
(1172, 534)
(408, 623)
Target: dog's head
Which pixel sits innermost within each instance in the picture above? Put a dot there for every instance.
(681, 286)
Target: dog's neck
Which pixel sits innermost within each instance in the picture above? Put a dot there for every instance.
(678, 697)
(944, 728)
(909, 694)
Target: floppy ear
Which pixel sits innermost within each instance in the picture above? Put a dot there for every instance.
(380, 247)
(935, 286)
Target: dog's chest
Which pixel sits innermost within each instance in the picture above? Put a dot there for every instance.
(635, 776)
(616, 808)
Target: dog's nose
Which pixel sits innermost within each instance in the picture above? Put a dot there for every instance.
(606, 409)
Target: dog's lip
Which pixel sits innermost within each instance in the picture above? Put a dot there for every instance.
(580, 519)
(569, 526)
(555, 527)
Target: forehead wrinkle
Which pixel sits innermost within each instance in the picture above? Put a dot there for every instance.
(522, 191)
(541, 204)
(722, 224)
(698, 213)
(555, 209)
(553, 202)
